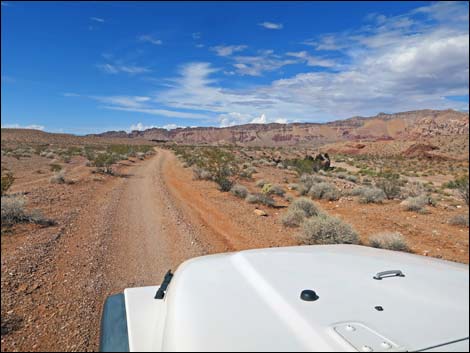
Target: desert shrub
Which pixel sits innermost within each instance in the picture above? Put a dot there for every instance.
(224, 183)
(261, 199)
(298, 211)
(390, 184)
(54, 167)
(58, 178)
(248, 172)
(293, 218)
(201, 174)
(260, 183)
(391, 241)
(352, 178)
(305, 205)
(7, 182)
(324, 191)
(266, 187)
(327, 230)
(13, 210)
(276, 190)
(462, 188)
(416, 204)
(300, 165)
(309, 180)
(460, 220)
(371, 195)
(239, 191)
(412, 189)
(104, 161)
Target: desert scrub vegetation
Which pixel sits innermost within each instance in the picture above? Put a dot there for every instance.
(13, 212)
(390, 241)
(58, 178)
(270, 189)
(219, 163)
(369, 194)
(239, 191)
(460, 220)
(325, 229)
(390, 184)
(324, 191)
(260, 198)
(299, 210)
(418, 203)
(7, 181)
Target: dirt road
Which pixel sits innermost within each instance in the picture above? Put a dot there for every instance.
(127, 232)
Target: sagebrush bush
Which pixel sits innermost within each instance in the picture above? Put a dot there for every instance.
(416, 204)
(261, 199)
(13, 210)
(460, 220)
(305, 205)
(225, 184)
(371, 195)
(309, 180)
(293, 218)
(324, 191)
(201, 174)
(58, 178)
(7, 182)
(390, 241)
(239, 191)
(274, 190)
(390, 185)
(327, 230)
(260, 183)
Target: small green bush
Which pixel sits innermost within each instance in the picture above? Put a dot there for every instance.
(370, 195)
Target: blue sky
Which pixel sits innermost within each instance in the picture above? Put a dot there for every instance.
(90, 67)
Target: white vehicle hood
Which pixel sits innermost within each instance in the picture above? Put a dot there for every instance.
(251, 301)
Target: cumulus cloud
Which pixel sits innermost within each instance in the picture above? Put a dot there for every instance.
(18, 126)
(271, 25)
(227, 50)
(406, 62)
(141, 127)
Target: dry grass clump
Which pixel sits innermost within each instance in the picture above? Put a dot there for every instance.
(7, 182)
(260, 183)
(201, 174)
(390, 241)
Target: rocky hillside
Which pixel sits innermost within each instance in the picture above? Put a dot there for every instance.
(382, 127)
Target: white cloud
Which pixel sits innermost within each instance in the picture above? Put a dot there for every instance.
(227, 50)
(257, 64)
(97, 19)
(196, 35)
(393, 64)
(116, 68)
(149, 39)
(312, 60)
(141, 127)
(271, 25)
(17, 126)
